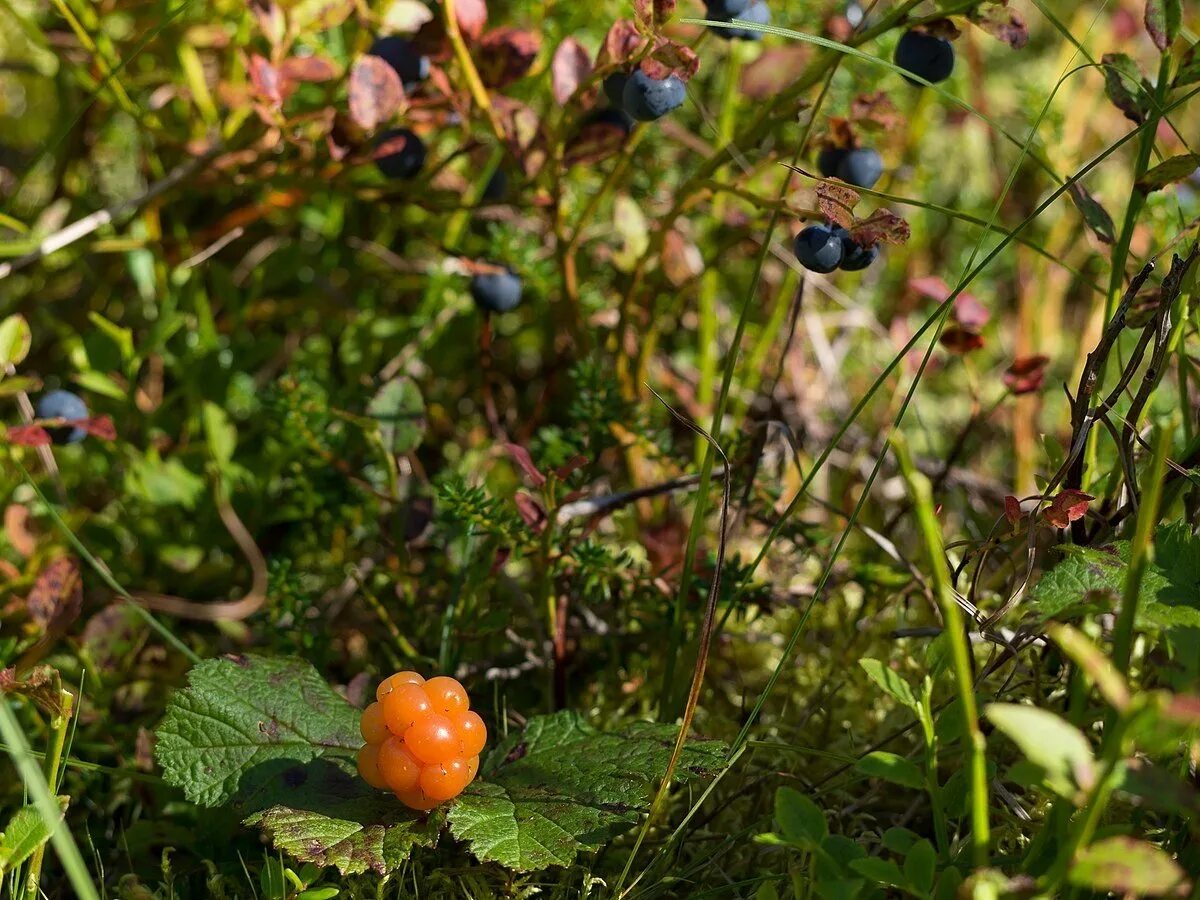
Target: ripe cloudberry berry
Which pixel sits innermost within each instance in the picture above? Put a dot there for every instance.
(423, 740)
(404, 707)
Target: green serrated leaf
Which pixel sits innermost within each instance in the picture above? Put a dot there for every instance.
(15, 341)
(333, 818)
(1050, 742)
(1125, 865)
(1163, 18)
(561, 787)
(400, 411)
(891, 767)
(24, 833)
(242, 712)
(892, 683)
(800, 820)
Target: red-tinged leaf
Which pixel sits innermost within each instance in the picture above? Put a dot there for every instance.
(500, 558)
(681, 258)
(56, 597)
(16, 528)
(773, 70)
(531, 511)
(375, 92)
(506, 54)
(1189, 67)
(521, 125)
(100, 427)
(576, 462)
(670, 58)
(943, 28)
(620, 44)
(1125, 86)
(43, 686)
(1069, 506)
(1163, 19)
(1026, 374)
(875, 110)
(569, 69)
(935, 288)
(881, 227)
(837, 200)
(969, 312)
(663, 10)
(472, 17)
(961, 340)
(1169, 171)
(265, 80)
(29, 435)
(1002, 23)
(1012, 509)
(270, 20)
(522, 458)
(1184, 709)
(308, 68)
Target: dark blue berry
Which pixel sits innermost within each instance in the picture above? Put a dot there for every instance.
(496, 291)
(647, 98)
(758, 13)
(925, 56)
(726, 9)
(855, 257)
(614, 89)
(818, 249)
(399, 153)
(861, 167)
(62, 405)
(828, 161)
(403, 56)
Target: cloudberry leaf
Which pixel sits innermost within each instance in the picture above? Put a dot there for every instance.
(561, 788)
(239, 713)
(323, 813)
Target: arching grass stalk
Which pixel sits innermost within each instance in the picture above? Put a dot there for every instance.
(960, 653)
(46, 803)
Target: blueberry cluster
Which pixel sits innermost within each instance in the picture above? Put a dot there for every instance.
(925, 55)
(860, 166)
(753, 11)
(823, 248)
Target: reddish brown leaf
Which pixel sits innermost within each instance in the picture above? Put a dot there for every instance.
(506, 54)
(531, 511)
(969, 312)
(308, 68)
(598, 138)
(935, 288)
(101, 427)
(877, 110)
(29, 435)
(265, 80)
(375, 92)
(43, 686)
(1026, 374)
(1069, 506)
(1012, 509)
(522, 458)
(1184, 709)
(881, 227)
(1002, 23)
(681, 259)
(670, 58)
(961, 340)
(569, 69)
(837, 200)
(943, 28)
(1163, 19)
(620, 44)
(57, 595)
(472, 17)
(16, 528)
(773, 70)
(576, 462)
